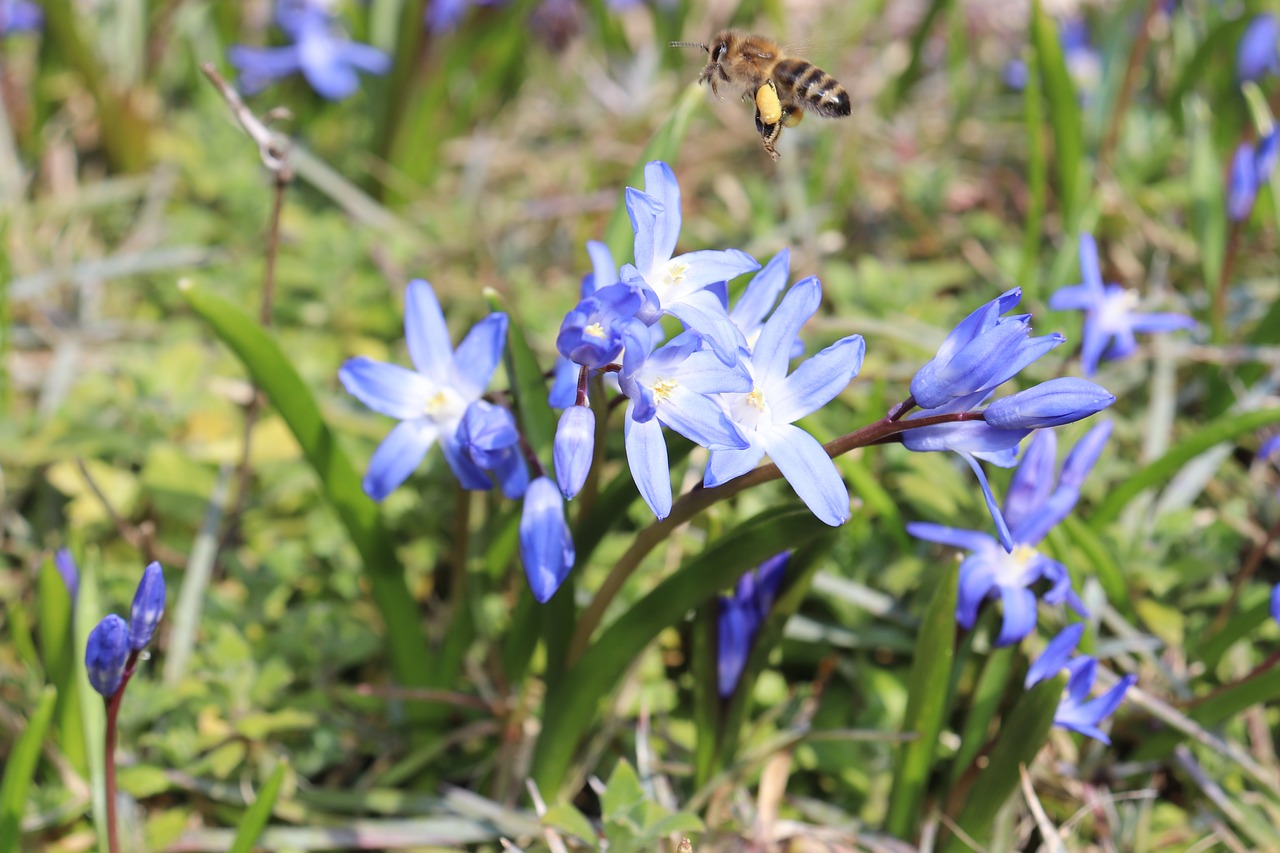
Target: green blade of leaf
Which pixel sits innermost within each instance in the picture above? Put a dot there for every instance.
(1019, 741)
(927, 701)
(1064, 111)
(279, 380)
(1162, 470)
(569, 708)
(57, 642)
(987, 694)
(20, 767)
(256, 817)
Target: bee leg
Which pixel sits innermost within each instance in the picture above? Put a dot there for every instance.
(768, 134)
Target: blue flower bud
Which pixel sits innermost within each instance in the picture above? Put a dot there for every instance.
(984, 351)
(596, 330)
(1049, 404)
(148, 607)
(546, 547)
(1257, 54)
(66, 566)
(1242, 189)
(105, 654)
(489, 436)
(574, 446)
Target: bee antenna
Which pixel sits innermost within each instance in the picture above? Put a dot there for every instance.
(689, 44)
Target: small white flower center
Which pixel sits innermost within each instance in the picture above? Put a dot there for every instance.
(595, 330)
(1014, 569)
(445, 405)
(1116, 309)
(662, 389)
(672, 275)
(748, 410)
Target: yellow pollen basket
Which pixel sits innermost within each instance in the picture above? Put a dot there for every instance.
(595, 330)
(756, 399)
(662, 388)
(438, 402)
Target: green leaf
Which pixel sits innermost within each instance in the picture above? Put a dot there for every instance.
(987, 694)
(1257, 688)
(1226, 428)
(276, 376)
(20, 767)
(622, 792)
(1019, 741)
(1239, 626)
(568, 820)
(1064, 112)
(528, 386)
(1037, 182)
(255, 819)
(57, 642)
(664, 146)
(1103, 559)
(927, 702)
(571, 706)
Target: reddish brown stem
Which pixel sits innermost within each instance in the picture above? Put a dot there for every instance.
(109, 777)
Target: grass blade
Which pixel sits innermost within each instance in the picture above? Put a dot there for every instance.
(20, 767)
(255, 819)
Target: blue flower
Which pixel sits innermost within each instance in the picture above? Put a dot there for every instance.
(1109, 316)
(984, 351)
(105, 654)
(673, 387)
(574, 445)
(1076, 711)
(1059, 401)
(1275, 602)
(327, 58)
(148, 607)
(1257, 54)
(1242, 188)
(431, 400)
(546, 546)
(490, 438)
(595, 332)
(766, 413)
(1034, 505)
(741, 616)
(67, 569)
(19, 16)
(679, 286)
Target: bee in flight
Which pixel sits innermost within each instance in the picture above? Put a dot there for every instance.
(782, 86)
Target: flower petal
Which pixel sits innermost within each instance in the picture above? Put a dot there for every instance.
(426, 334)
(762, 293)
(726, 464)
(388, 389)
(970, 540)
(660, 183)
(818, 380)
(479, 353)
(700, 419)
(397, 456)
(702, 312)
(647, 459)
(772, 352)
(1055, 655)
(810, 471)
(1019, 615)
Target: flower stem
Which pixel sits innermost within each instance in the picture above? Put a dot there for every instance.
(700, 498)
(109, 750)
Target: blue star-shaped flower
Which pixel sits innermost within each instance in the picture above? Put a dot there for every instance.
(1110, 320)
(431, 400)
(1076, 711)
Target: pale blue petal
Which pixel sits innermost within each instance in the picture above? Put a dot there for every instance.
(1160, 322)
(1019, 615)
(426, 334)
(725, 465)
(388, 389)
(701, 420)
(604, 272)
(970, 540)
(708, 267)
(480, 352)
(660, 182)
(1033, 481)
(977, 577)
(366, 57)
(647, 459)
(704, 373)
(733, 628)
(397, 456)
(1077, 297)
(772, 352)
(644, 210)
(469, 474)
(702, 312)
(1055, 655)
(758, 299)
(810, 471)
(1090, 272)
(1002, 530)
(818, 380)
(546, 548)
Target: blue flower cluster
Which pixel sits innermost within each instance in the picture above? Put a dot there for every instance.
(114, 644)
(319, 50)
(1076, 711)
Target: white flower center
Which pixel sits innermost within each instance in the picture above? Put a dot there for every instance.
(1116, 309)
(662, 389)
(748, 410)
(445, 405)
(1015, 569)
(595, 330)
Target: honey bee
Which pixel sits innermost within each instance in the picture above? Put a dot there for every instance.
(782, 86)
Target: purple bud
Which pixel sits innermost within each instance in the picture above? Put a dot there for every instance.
(1256, 54)
(148, 607)
(546, 546)
(66, 566)
(1243, 186)
(1049, 404)
(574, 446)
(105, 654)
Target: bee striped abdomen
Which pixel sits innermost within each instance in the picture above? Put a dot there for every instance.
(814, 88)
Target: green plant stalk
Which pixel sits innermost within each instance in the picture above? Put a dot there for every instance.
(20, 767)
(125, 133)
(569, 709)
(255, 819)
(274, 373)
(927, 703)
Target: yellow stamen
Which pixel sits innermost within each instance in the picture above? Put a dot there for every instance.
(662, 389)
(595, 330)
